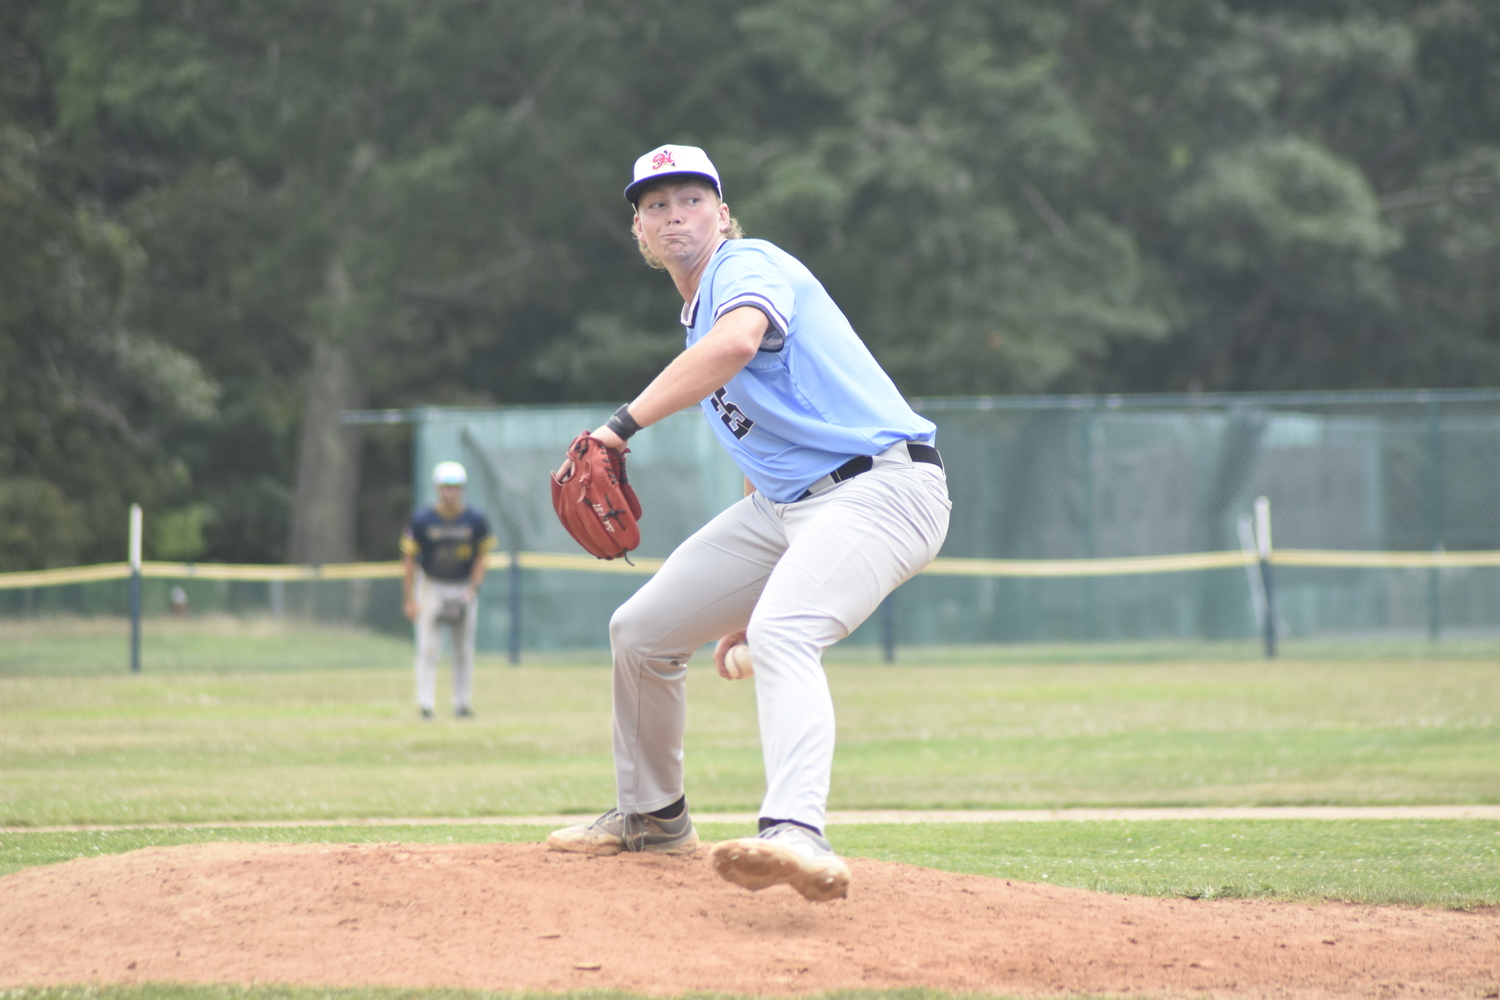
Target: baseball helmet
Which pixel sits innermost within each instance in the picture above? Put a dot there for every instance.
(449, 474)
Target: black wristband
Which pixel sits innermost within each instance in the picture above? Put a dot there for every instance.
(622, 423)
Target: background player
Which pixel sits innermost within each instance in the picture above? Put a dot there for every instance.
(443, 552)
(846, 499)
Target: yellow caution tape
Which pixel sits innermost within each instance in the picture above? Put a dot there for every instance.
(1383, 560)
(1088, 567)
(58, 577)
(1120, 566)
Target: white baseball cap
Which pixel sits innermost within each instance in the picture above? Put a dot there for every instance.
(449, 474)
(672, 161)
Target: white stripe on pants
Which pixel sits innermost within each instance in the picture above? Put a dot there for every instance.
(801, 576)
(430, 596)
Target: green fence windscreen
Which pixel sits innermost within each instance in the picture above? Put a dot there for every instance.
(1069, 478)
(1054, 480)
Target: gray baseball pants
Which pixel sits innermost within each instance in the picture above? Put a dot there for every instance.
(430, 595)
(800, 576)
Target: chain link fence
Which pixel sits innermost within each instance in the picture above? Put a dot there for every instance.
(1042, 478)
(1089, 477)
(1065, 478)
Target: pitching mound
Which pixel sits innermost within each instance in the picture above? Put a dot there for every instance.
(515, 917)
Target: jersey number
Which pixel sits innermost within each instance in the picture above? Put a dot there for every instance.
(734, 418)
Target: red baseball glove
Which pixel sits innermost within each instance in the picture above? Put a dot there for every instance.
(594, 501)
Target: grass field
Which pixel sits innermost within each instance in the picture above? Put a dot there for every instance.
(254, 722)
(248, 737)
(1452, 863)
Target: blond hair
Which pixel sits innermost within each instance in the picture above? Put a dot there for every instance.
(733, 231)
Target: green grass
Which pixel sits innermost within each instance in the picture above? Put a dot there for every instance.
(100, 647)
(249, 722)
(1167, 651)
(1448, 863)
(344, 741)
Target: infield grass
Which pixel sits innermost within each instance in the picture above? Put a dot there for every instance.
(1447, 863)
(254, 722)
(231, 743)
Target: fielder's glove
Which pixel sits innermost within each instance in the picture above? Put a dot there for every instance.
(452, 609)
(594, 501)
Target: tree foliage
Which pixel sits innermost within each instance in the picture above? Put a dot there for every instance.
(1295, 170)
(198, 200)
(89, 400)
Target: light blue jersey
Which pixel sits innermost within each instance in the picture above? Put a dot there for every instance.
(813, 397)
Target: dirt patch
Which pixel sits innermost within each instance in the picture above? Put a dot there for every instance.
(516, 917)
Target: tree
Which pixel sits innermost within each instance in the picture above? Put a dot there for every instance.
(88, 402)
(398, 187)
(1300, 174)
(927, 161)
(309, 208)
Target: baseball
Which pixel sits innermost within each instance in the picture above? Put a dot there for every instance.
(737, 662)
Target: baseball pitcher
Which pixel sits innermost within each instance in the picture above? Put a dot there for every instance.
(845, 499)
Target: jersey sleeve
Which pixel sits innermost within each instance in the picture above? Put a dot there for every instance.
(749, 277)
(485, 539)
(409, 546)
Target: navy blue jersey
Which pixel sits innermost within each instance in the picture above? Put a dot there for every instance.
(446, 549)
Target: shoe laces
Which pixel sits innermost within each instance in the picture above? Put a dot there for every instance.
(634, 832)
(631, 826)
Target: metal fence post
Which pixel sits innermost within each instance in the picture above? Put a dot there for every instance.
(1434, 516)
(515, 607)
(1090, 529)
(1263, 549)
(135, 588)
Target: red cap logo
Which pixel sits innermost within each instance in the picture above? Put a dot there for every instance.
(663, 159)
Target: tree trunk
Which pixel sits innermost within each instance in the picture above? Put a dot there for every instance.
(325, 511)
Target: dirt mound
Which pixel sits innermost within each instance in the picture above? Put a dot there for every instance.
(515, 917)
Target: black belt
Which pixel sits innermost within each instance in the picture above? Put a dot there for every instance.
(861, 464)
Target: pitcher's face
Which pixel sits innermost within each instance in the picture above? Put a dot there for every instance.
(681, 222)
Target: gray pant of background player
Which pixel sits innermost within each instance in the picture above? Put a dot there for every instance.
(430, 595)
(801, 576)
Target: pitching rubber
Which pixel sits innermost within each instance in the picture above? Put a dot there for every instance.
(757, 864)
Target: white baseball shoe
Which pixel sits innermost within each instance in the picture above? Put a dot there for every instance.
(616, 832)
(785, 853)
